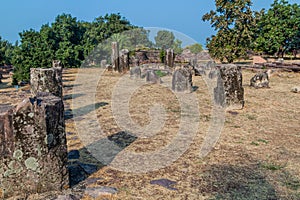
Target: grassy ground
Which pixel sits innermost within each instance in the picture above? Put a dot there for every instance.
(256, 157)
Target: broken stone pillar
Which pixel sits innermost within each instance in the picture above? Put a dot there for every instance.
(46, 80)
(115, 56)
(6, 131)
(124, 60)
(103, 64)
(33, 147)
(152, 77)
(170, 57)
(135, 72)
(229, 92)
(182, 80)
(260, 80)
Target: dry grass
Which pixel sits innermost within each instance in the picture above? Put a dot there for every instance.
(256, 157)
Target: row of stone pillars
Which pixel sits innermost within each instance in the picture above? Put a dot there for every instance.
(33, 147)
(120, 59)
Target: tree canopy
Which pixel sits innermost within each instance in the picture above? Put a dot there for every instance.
(239, 29)
(278, 30)
(164, 39)
(234, 22)
(6, 50)
(66, 39)
(195, 48)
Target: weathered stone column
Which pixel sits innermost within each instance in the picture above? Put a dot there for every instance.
(6, 131)
(135, 72)
(115, 56)
(124, 60)
(229, 92)
(46, 80)
(1, 77)
(103, 64)
(33, 147)
(170, 57)
(182, 80)
(152, 77)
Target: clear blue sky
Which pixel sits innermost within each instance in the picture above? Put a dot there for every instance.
(180, 15)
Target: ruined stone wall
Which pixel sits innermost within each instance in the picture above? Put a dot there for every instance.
(148, 56)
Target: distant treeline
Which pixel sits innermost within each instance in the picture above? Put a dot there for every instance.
(66, 39)
(71, 41)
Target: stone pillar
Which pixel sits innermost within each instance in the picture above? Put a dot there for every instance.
(1, 77)
(260, 80)
(193, 62)
(170, 57)
(115, 56)
(103, 64)
(135, 72)
(152, 77)
(182, 80)
(229, 92)
(124, 60)
(36, 156)
(6, 132)
(46, 80)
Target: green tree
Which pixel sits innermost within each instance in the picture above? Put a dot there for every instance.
(195, 48)
(139, 37)
(66, 39)
(104, 27)
(279, 29)
(68, 34)
(164, 39)
(6, 50)
(234, 21)
(177, 46)
(32, 52)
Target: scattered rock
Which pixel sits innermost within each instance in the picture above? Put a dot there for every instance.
(164, 183)
(101, 191)
(260, 80)
(295, 89)
(90, 181)
(67, 197)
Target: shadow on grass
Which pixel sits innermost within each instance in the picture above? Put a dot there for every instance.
(237, 183)
(80, 112)
(71, 85)
(72, 96)
(81, 163)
